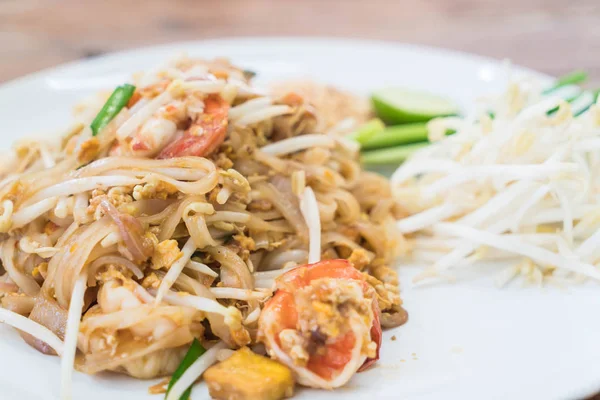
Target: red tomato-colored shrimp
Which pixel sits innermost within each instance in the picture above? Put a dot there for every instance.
(323, 322)
(205, 135)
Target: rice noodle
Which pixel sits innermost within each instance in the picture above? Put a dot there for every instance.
(286, 204)
(115, 260)
(172, 215)
(196, 225)
(234, 271)
(69, 262)
(239, 294)
(230, 216)
(25, 282)
(76, 186)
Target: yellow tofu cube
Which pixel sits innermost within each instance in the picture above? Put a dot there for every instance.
(249, 376)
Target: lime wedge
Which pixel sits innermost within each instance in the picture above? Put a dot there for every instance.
(399, 106)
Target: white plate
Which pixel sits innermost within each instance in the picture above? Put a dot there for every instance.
(463, 341)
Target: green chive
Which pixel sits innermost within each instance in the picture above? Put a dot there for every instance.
(391, 155)
(115, 103)
(367, 131)
(249, 74)
(573, 78)
(196, 350)
(397, 135)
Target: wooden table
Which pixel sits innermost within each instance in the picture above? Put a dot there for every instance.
(553, 36)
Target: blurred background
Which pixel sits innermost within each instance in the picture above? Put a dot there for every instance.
(553, 36)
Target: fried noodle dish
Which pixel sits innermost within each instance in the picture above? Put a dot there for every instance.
(190, 212)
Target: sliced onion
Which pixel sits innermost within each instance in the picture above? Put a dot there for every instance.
(132, 232)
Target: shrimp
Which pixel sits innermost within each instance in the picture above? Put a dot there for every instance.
(154, 134)
(119, 301)
(126, 333)
(323, 323)
(206, 133)
(114, 297)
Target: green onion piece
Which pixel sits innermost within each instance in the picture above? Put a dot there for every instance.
(596, 94)
(397, 135)
(573, 78)
(115, 103)
(391, 155)
(249, 74)
(196, 350)
(367, 131)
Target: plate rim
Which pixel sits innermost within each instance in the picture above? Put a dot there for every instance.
(264, 40)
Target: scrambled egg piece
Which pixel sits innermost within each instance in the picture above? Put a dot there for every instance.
(249, 376)
(222, 161)
(386, 297)
(260, 205)
(245, 242)
(41, 269)
(13, 191)
(151, 281)
(154, 190)
(385, 282)
(50, 228)
(117, 196)
(326, 305)
(89, 150)
(359, 258)
(295, 345)
(165, 254)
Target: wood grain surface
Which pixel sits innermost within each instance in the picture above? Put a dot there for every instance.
(553, 36)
